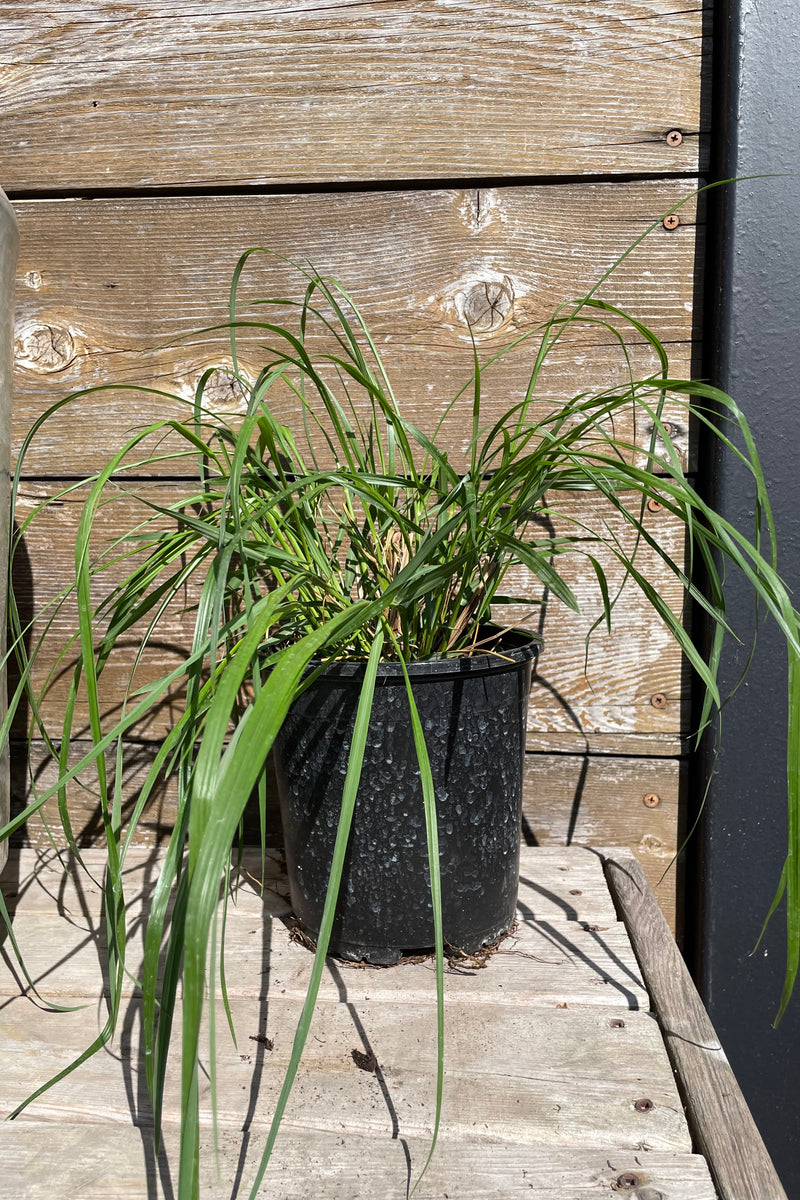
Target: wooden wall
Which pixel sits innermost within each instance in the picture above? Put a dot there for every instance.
(431, 154)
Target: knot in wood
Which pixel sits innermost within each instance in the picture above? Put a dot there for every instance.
(44, 348)
(488, 305)
(223, 392)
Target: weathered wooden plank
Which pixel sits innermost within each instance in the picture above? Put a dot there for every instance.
(563, 1077)
(567, 947)
(669, 744)
(634, 683)
(630, 802)
(589, 800)
(546, 963)
(567, 798)
(105, 288)
(722, 1123)
(131, 95)
(117, 1164)
(569, 883)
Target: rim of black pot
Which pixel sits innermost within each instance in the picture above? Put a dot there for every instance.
(515, 648)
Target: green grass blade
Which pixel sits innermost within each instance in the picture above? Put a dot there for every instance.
(349, 795)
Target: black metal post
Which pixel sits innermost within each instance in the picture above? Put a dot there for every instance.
(753, 341)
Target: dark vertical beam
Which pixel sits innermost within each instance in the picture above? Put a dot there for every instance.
(753, 341)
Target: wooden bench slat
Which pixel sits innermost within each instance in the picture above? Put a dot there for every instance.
(121, 1166)
(570, 1076)
(718, 1114)
(568, 947)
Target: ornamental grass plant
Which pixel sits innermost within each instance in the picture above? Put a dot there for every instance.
(352, 533)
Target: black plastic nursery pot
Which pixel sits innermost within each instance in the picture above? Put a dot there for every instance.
(473, 712)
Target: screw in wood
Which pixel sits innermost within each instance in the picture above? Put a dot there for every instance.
(651, 800)
(617, 1023)
(659, 700)
(643, 1106)
(674, 138)
(654, 506)
(671, 221)
(626, 1182)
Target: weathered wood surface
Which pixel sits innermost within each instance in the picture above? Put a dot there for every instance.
(567, 934)
(39, 880)
(121, 1166)
(587, 800)
(551, 1091)
(634, 683)
(106, 286)
(597, 801)
(721, 1121)
(123, 95)
(515, 1074)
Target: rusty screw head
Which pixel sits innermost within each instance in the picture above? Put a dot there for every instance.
(643, 1106)
(659, 700)
(672, 221)
(617, 1023)
(626, 1182)
(654, 506)
(674, 138)
(651, 800)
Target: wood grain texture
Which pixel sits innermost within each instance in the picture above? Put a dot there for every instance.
(596, 801)
(548, 1096)
(614, 695)
(126, 95)
(567, 933)
(721, 1121)
(516, 1074)
(118, 1165)
(580, 800)
(40, 881)
(106, 287)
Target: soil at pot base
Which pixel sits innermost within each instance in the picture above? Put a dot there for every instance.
(473, 713)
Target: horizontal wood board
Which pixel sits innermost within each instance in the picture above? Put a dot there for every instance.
(559, 1077)
(567, 939)
(39, 880)
(105, 287)
(568, 799)
(119, 1165)
(612, 695)
(124, 95)
(504, 1093)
